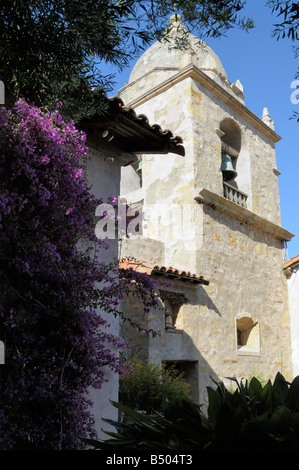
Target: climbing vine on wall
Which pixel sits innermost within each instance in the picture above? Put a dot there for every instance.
(56, 343)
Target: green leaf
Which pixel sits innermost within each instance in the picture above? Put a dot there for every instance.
(281, 387)
(255, 387)
(267, 396)
(293, 396)
(215, 402)
(281, 419)
(295, 419)
(134, 415)
(239, 415)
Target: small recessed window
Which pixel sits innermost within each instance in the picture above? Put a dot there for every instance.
(248, 335)
(173, 302)
(171, 313)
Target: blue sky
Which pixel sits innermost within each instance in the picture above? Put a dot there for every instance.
(266, 68)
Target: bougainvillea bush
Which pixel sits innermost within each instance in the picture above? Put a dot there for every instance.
(56, 344)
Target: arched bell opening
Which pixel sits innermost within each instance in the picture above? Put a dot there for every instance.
(232, 156)
(230, 149)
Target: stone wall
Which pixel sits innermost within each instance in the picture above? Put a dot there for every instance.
(244, 266)
(239, 249)
(292, 274)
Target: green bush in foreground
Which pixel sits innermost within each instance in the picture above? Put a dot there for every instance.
(252, 417)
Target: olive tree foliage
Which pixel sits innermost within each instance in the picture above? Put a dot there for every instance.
(49, 49)
(288, 14)
(55, 50)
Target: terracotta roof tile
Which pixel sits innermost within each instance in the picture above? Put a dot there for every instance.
(132, 131)
(158, 270)
(291, 262)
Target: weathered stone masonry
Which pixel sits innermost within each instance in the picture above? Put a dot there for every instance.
(197, 220)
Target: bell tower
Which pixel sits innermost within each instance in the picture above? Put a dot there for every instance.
(215, 211)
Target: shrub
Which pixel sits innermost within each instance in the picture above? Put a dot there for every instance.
(145, 386)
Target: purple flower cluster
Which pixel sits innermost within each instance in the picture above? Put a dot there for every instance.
(56, 343)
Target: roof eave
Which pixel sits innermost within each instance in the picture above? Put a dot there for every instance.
(131, 132)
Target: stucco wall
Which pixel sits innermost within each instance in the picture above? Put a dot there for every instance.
(293, 287)
(103, 173)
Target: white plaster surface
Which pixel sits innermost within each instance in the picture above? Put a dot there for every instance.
(104, 177)
(293, 286)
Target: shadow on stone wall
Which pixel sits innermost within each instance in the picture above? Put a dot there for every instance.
(174, 346)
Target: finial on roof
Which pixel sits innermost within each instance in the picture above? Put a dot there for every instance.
(175, 20)
(175, 26)
(239, 85)
(267, 119)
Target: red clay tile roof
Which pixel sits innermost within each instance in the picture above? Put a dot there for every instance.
(157, 270)
(132, 132)
(291, 262)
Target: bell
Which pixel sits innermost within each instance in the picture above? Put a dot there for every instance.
(227, 168)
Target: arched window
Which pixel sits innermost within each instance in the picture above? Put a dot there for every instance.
(230, 148)
(171, 313)
(230, 134)
(248, 335)
(173, 301)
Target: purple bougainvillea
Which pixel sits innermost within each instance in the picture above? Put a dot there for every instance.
(56, 343)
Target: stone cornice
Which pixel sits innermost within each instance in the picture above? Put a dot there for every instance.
(208, 197)
(195, 73)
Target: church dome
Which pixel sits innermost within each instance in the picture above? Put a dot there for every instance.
(167, 55)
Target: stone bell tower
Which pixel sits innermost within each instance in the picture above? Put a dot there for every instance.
(215, 211)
